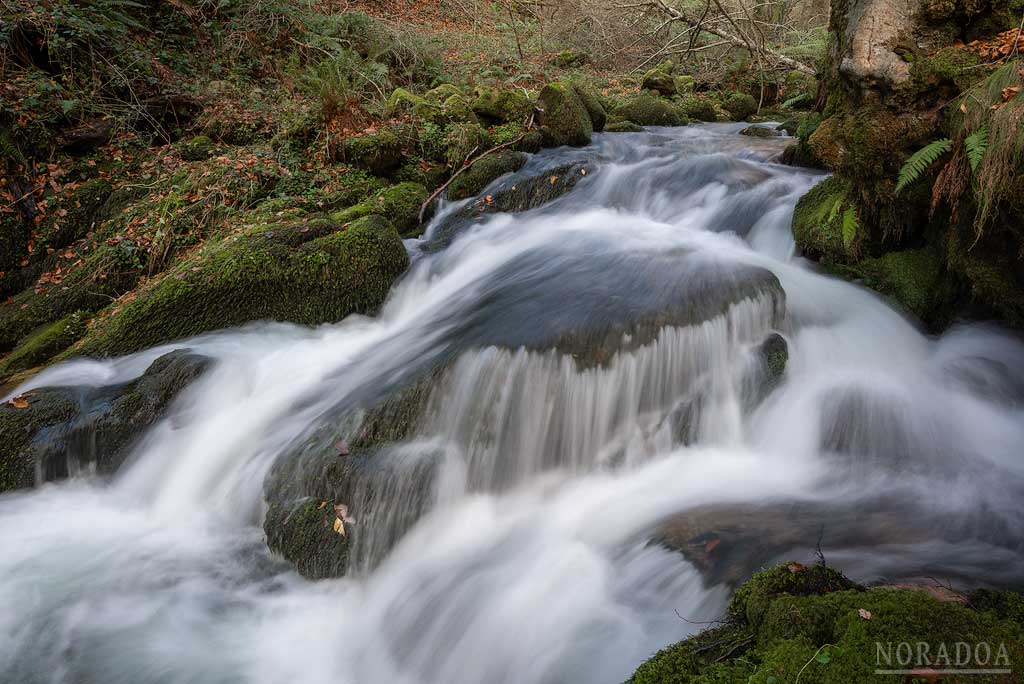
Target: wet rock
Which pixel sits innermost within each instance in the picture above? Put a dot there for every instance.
(623, 127)
(699, 109)
(56, 431)
(760, 132)
(774, 355)
(485, 171)
(399, 204)
(380, 154)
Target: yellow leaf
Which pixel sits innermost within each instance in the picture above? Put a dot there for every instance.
(339, 526)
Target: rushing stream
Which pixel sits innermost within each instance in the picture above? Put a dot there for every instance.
(525, 557)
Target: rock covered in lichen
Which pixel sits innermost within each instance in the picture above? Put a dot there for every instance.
(563, 116)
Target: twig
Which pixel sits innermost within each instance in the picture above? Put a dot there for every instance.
(437, 193)
(817, 547)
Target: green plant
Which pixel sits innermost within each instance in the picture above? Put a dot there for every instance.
(976, 144)
(919, 162)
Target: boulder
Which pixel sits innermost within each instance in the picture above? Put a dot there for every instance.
(646, 110)
(595, 110)
(310, 272)
(380, 154)
(56, 431)
(563, 116)
(699, 109)
(502, 105)
(623, 127)
(45, 343)
(399, 204)
(660, 80)
(481, 174)
(740, 106)
(760, 132)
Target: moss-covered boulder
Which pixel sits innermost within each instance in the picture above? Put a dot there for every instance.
(457, 109)
(563, 116)
(660, 79)
(595, 110)
(570, 59)
(646, 110)
(915, 279)
(741, 106)
(399, 204)
(760, 132)
(502, 106)
(464, 141)
(44, 344)
(699, 109)
(826, 225)
(442, 93)
(685, 85)
(379, 154)
(56, 431)
(623, 127)
(811, 624)
(305, 272)
(481, 174)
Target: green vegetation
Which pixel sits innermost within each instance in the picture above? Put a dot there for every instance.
(811, 624)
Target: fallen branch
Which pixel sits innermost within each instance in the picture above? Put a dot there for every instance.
(724, 34)
(437, 193)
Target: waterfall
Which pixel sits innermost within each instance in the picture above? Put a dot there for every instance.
(595, 370)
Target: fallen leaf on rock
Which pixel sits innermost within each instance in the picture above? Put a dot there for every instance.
(19, 402)
(554, 179)
(339, 526)
(342, 447)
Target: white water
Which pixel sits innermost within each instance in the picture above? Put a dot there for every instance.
(529, 563)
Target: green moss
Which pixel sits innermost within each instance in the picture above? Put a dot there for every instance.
(660, 79)
(914, 278)
(502, 105)
(45, 343)
(563, 117)
(825, 223)
(570, 59)
(442, 92)
(623, 127)
(741, 106)
(399, 204)
(303, 533)
(307, 273)
(944, 74)
(645, 110)
(457, 109)
(196, 149)
(812, 624)
(401, 101)
(474, 179)
(463, 142)
(595, 110)
(801, 87)
(18, 428)
(380, 154)
(699, 109)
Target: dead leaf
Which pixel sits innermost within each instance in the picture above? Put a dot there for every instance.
(866, 614)
(19, 402)
(342, 447)
(554, 179)
(339, 526)
(795, 567)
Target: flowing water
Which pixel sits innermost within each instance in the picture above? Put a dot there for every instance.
(525, 556)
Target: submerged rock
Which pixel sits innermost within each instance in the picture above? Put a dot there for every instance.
(55, 431)
(760, 132)
(483, 172)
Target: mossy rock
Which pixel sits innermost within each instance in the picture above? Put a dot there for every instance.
(942, 75)
(401, 101)
(914, 278)
(465, 141)
(660, 79)
(699, 109)
(481, 174)
(45, 343)
(812, 624)
(595, 110)
(457, 109)
(685, 85)
(379, 154)
(826, 225)
(570, 59)
(760, 132)
(442, 93)
(623, 127)
(56, 428)
(563, 117)
(307, 533)
(502, 106)
(646, 110)
(399, 204)
(741, 106)
(199, 148)
(309, 273)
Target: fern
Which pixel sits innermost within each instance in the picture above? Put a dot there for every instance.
(977, 144)
(921, 160)
(850, 227)
(802, 97)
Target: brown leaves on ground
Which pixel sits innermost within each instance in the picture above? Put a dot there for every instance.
(19, 402)
(999, 46)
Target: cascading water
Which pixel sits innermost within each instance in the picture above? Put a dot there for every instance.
(523, 554)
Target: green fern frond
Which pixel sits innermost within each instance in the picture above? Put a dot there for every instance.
(921, 160)
(977, 144)
(802, 97)
(850, 227)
